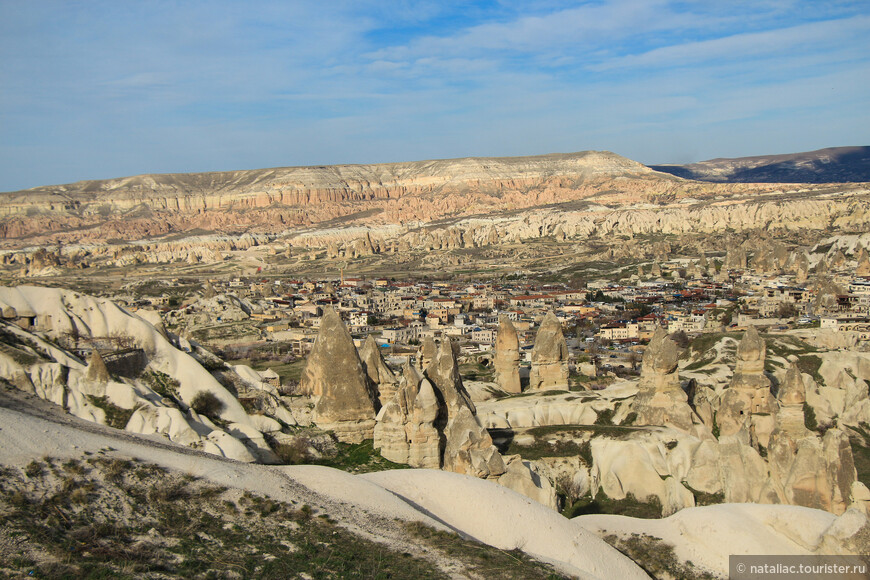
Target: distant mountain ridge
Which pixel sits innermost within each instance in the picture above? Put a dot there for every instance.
(277, 199)
(395, 196)
(405, 176)
(831, 165)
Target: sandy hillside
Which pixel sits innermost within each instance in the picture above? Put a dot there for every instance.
(30, 429)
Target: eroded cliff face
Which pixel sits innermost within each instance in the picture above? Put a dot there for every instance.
(317, 185)
(397, 209)
(593, 224)
(274, 200)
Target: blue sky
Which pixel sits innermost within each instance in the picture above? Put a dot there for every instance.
(92, 89)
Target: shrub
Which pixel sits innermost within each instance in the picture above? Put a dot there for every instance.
(568, 488)
(34, 469)
(656, 557)
(79, 496)
(681, 338)
(168, 491)
(585, 453)
(74, 466)
(604, 417)
(810, 418)
(162, 384)
(116, 417)
(649, 508)
(207, 403)
(114, 469)
(294, 452)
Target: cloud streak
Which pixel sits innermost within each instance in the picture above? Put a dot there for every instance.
(812, 37)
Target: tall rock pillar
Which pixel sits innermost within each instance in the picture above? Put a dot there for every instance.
(507, 357)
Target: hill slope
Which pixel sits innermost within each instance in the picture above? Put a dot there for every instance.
(172, 490)
(831, 165)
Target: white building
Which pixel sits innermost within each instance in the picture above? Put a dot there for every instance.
(400, 334)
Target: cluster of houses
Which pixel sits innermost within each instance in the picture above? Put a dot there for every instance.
(401, 313)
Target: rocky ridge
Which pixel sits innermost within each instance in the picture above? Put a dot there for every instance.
(381, 196)
(834, 164)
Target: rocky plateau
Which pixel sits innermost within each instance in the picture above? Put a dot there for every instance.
(420, 216)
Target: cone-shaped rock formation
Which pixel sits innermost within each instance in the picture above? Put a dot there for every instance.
(334, 375)
(747, 405)
(805, 469)
(405, 431)
(549, 356)
(97, 371)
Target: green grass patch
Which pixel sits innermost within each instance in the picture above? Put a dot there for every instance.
(704, 498)
(617, 430)
(483, 561)
(116, 417)
(580, 382)
(605, 417)
(475, 372)
(657, 557)
(772, 366)
(859, 437)
(536, 393)
(562, 441)
(699, 364)
(703, 343)
(811, 364)
(810, 421)
(147, 523)
(359, 458)
(163, 385)
(20, 356)
(288, 372)
(785, 345)
(601, 504)
(543, 448)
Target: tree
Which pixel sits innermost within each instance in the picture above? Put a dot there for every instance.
(786, 310)
(569, 488)
(681, 338)
(206, 403)
(640, 308)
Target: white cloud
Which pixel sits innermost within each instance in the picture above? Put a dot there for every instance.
(197, 86)
(802, 38)
(582, 25)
